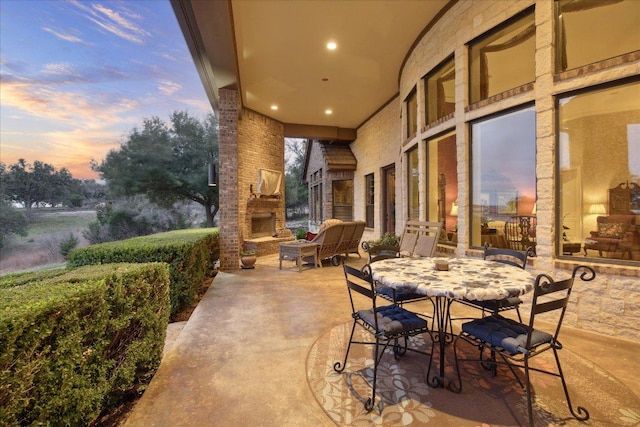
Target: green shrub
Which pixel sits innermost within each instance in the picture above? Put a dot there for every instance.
(71, 341)
(68, 242)
(301, 233)
(190, 254)
(386, 239)
(12, 221)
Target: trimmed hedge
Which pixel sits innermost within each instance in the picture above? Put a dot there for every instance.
(73, 340)
(190, 254)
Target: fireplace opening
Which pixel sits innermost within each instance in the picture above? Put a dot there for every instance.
(263, 225)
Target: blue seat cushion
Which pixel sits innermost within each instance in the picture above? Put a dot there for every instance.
(505, 333)
(393, 320)
(400, 296)
(511, 302)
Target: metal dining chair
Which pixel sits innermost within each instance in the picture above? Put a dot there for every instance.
(516, 343)
(386, 324)
(505, 256)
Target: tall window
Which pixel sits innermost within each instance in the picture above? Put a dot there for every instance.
(343, 200)
(599, 172)
(440, 91)
(503, 151)
(412, 113)
(369, 200)
(414, 189)
(442, 182)
(591, 31)
(315, 187)
(503, 59)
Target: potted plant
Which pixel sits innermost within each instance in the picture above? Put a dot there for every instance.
(248, 258)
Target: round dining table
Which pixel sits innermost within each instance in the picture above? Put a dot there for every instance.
(472, 279)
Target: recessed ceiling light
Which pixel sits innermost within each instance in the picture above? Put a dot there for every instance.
(274, 107)
(332, 45)
(328, 111)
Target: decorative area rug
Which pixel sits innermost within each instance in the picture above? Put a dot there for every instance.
(404, 398)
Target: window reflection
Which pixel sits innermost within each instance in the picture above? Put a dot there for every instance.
(369, 200)
(503, 151)
(599, 172)
(442, 183)
(414, 202)
(343, 199)
(503, 59)
(412, 114)
(591, 31)
(440, 91)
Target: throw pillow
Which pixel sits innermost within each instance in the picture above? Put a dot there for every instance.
(612, 230)
(310, 236)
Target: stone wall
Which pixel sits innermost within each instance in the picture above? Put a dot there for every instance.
(248, 141)
(261, 146)
(610, 304)
(375, 148)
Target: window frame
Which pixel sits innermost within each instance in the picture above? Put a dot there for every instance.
(445, 211)
(470, 213)
(411, 106)
(315, 185)
(369, 200)
(530, 11)
(348, 201)
(410, 208)
(560, 51)
(558, 220)
(435, 71)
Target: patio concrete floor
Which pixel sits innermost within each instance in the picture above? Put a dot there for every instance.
(241, 358)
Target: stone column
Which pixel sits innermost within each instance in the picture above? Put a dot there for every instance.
(228, 180)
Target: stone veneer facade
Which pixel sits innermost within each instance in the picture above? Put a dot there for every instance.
(610, 305)
(317, 161)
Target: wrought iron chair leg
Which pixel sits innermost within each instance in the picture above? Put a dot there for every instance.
(376, 360)
(513, 371)
(339, 367)
(490, 363)
(518, 313)
(399, 349)
(582, 414)
(529, 397)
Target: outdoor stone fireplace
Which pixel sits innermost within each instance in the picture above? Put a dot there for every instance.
(263, 224)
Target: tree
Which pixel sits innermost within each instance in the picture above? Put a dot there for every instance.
(35, 185)
(167, 164)
(12, 221)
(296, 191)
(92, 192)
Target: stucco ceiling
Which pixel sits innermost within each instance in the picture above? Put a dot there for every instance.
(275, 53)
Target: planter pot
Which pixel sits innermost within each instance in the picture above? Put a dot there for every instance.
(248, 261)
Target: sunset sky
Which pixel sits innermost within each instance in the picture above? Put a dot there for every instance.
(78, 76)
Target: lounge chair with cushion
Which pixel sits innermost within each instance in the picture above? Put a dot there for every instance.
(336, 237)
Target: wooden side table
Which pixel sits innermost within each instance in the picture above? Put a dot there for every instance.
(569, 248)
(297, 251)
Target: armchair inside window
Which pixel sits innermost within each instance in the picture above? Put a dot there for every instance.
(614, 233)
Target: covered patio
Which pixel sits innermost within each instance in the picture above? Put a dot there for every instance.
(362, 74)
(260, 347)
(270, 365)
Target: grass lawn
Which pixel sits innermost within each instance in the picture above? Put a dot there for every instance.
(39, 249)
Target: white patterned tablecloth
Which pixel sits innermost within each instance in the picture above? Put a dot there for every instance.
(470, 278)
